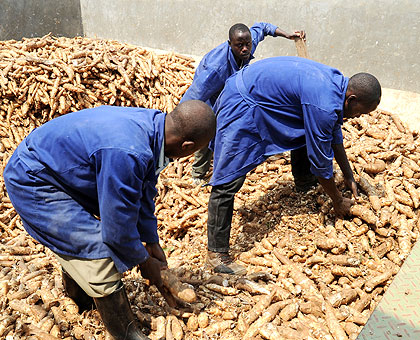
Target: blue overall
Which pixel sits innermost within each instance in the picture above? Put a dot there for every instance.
(84, 183)
(276, 105)
(219, 64)
(269, 107)
(209, 78)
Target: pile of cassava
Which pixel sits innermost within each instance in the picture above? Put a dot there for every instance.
(310, 275)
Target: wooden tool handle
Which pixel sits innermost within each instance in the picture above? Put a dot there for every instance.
(301, 48)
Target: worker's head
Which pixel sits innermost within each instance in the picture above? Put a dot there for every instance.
(188, 128)
(362, 96)
(240, 41)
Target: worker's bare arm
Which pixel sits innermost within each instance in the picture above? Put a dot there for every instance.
(343, 162)
(341, 204)
(296, 34)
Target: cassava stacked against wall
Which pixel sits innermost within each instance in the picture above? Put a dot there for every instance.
(46, 77)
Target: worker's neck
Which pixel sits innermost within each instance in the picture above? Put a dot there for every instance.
(239, 62)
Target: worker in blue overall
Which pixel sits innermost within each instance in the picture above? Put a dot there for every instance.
(83, 185)
(276, 105)
(218, 65)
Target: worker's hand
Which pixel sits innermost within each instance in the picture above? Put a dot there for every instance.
(342, 207)
(156, 251)
(297, 35)
(150, 270)
(352, 186)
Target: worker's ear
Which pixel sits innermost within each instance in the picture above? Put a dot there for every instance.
(188, 146)
(351, 98)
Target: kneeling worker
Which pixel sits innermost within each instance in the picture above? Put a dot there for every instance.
(103, 162)
(276, 105)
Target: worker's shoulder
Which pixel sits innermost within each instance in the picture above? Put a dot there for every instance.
(125, 152)
(216, 60)
(261, 24)
(216, 55)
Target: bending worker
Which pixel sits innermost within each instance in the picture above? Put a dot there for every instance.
(103, 162)
(218, 65)
(272, 106)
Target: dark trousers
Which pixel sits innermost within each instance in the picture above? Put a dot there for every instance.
(220, 207)
(220, 211)
(300, 163)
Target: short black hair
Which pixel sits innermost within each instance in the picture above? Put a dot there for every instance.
(238, 28)
(194, 120)
(366, 87)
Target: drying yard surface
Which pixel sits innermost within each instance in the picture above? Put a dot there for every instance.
(310, 275)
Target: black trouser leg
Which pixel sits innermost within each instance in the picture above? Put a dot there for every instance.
(220, 211)
(301, 166)
(300, 162)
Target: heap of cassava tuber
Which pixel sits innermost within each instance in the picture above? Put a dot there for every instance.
(310, 275)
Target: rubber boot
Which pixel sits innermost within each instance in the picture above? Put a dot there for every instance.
(117, 316)
(75, 292)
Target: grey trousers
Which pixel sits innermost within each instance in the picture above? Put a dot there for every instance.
(202, 160)
(98, 278)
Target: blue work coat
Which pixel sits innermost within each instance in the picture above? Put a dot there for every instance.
(219, 64)
(275, 105)
(99, 161)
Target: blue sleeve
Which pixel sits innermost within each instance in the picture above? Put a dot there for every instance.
(258, 32)
(206, 83)
(320, 128)
(337, 134)
(147, 225)
(120, 181)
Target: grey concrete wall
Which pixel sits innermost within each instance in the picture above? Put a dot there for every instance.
(36, 18)
(380, 37)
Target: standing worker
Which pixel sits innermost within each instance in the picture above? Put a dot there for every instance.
(276, 105)
(103, 162)
(218, 65)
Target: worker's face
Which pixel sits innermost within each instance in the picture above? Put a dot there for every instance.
(353, 108)
(241, 44)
